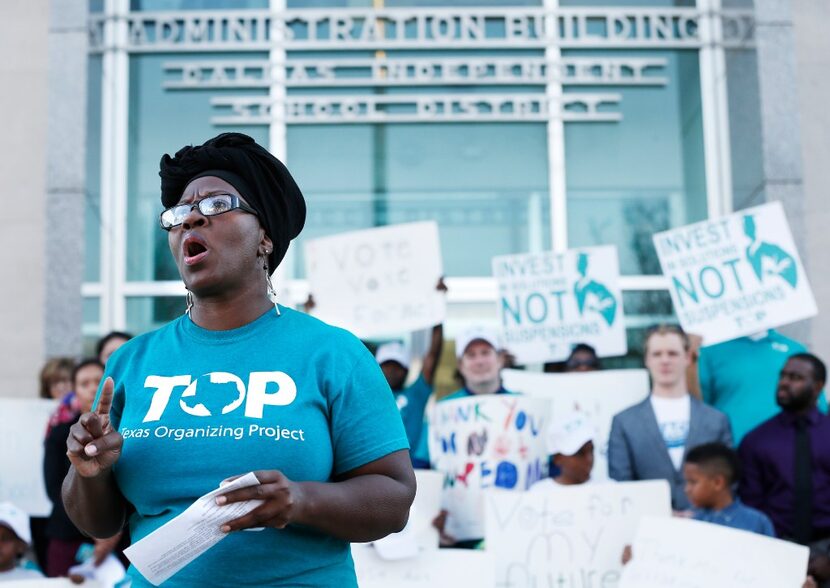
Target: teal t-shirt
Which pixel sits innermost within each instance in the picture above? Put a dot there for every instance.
(412, 401)
(286, 393)
(739, 378)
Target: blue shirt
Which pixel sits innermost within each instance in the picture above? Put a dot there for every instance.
(412, 401)
(737, 516)
(286, 393)
(739, 377)
(420, 452)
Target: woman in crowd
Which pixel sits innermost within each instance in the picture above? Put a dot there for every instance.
(109, 343)
(64, 538)
(56, 378)
(238, 384)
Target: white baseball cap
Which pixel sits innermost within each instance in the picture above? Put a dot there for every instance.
(476, 334)
(393, 351)
(16, 520)
(568, 434)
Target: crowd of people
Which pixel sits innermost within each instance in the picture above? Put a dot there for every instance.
(231, 210)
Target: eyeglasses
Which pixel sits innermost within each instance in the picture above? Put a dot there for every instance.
(209, 206)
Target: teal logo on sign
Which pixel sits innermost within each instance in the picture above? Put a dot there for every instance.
(768, 259)
(591, 295)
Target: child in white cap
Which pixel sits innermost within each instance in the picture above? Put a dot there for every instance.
(570, 440)
(14, 540)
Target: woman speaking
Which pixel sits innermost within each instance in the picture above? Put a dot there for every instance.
(239, 384)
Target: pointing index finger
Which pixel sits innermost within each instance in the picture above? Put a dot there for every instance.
(105, 400)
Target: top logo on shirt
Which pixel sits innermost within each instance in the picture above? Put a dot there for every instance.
(220, 393)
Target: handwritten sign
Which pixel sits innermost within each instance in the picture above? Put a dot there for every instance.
(599, 395)
(445, 568)
(549, 302)
(419, 535)
(693, 554)
(490, 441)
(568, 535)
(735, 275)
(23, 422)
(379, 281)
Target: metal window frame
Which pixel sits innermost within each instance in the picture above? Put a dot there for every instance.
(113, 290)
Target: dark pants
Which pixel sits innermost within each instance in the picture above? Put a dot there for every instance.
(61, 556)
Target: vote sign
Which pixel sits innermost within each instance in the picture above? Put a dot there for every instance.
(735, 275)
(379, 281)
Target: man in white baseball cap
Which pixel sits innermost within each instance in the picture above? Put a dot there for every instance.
(15, 537)
(570, 440)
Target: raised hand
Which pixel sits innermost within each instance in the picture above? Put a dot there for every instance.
(93, 445)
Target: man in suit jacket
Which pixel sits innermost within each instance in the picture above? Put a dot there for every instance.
(649, 440)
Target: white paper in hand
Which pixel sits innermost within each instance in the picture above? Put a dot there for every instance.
(178, 542)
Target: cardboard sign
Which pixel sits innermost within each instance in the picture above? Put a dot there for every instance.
(549, 302)
(489, 441)
(444, 568)
(600, 395)
(379, 281)
(419, 535)
(568, 535)
(693, 554)
(23, 422)
(735, 275)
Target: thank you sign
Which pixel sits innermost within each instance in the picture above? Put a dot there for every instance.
(735, 275)
(481, 442)
(378, 281)
(549, 302)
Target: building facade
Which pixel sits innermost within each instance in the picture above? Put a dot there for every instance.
(517, 125)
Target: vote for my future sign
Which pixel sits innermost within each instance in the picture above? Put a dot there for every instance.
(735, 275)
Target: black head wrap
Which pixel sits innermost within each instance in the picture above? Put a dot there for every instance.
(261, 179)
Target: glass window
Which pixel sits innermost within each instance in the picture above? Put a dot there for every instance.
(645, 173)
(162, 121)
(485, 184)
(91, 325)
(146, 313)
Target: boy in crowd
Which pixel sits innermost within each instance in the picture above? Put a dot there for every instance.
(710, 471)
(571, 443)
(14, 539)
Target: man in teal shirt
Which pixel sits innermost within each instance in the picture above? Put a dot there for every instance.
(738, 377)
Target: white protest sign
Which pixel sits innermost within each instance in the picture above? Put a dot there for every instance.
(549, 302)
(735, 275)
(570, 536)
(23, 422)
(378, 281)
(599, 395)
(694, 554)
(420, 534)
(480, 442)
(444, 568)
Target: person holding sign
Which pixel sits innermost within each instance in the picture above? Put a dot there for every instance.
(648, 440)
(393, 360)
(241, 385)
(570, 441)
(786, 463)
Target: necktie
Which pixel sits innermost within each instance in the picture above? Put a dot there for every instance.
(803, 491)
